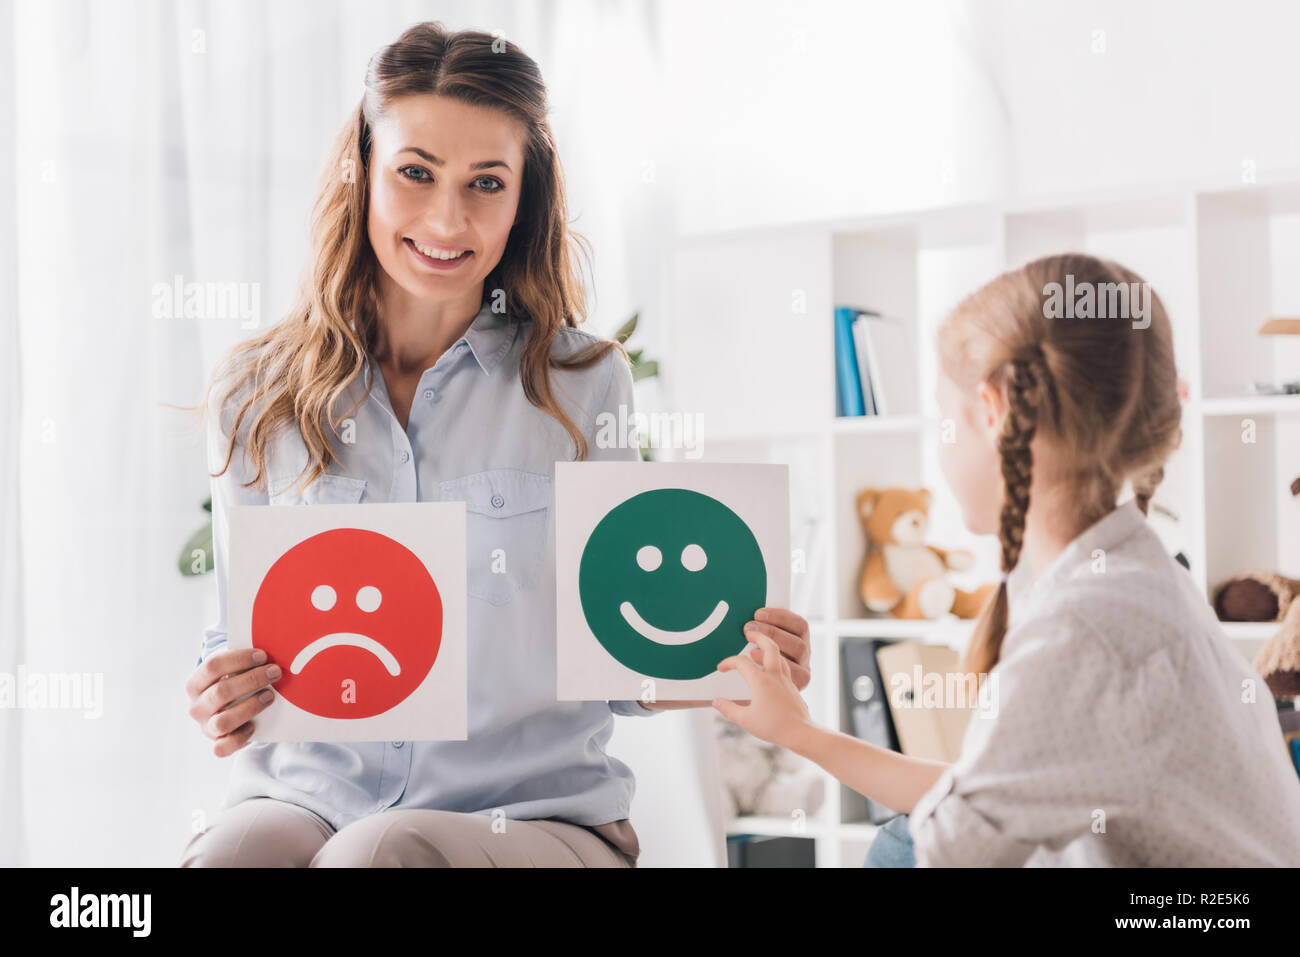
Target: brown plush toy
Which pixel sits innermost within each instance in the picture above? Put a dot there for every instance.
(1255, 596)
(902, 574)
(1278, 662)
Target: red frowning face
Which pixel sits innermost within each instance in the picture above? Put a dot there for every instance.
(353, 618)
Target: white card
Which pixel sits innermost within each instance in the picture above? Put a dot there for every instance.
(363, 606)
(659, 565)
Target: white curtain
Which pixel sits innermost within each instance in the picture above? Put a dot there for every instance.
(11, 591)
(152, 140)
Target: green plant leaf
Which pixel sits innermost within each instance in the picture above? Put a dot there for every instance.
(645, 370)
(625, 331)
(207, 505)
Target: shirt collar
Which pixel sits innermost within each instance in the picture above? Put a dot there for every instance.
(1120, 524)
(489, 337)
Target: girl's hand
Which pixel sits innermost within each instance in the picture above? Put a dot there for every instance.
(791, 634)
(218, 683)
(776, 712)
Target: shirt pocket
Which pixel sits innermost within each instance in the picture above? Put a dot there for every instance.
(505, 529)
(328, 489)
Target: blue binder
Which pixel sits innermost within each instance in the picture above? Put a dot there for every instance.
(847, 381)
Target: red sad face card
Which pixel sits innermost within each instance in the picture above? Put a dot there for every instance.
(363, 607)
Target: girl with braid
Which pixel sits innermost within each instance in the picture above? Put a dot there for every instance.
(1115, 723)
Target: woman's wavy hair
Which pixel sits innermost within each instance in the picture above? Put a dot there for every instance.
(1102, 391)
(293, 373)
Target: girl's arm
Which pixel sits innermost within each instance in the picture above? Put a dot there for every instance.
(885, 776)
(778, 714)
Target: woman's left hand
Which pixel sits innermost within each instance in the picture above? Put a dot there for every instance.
(792, 637)
(791, 634)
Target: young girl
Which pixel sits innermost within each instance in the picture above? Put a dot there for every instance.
(434, 339)
(1118, 725)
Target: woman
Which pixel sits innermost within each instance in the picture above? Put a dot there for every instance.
(435, 339)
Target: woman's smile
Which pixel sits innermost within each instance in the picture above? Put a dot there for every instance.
(437, 257)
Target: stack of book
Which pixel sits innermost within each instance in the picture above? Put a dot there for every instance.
(873, 364)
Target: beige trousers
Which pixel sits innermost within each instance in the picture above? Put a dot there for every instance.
(264, 832)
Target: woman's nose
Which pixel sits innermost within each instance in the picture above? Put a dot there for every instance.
(446, 213)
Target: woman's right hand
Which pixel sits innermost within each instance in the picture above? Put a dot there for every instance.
(222, 679)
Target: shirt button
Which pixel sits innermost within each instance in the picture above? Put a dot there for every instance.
(462, 346)
(497, 501)
(398, 744)
(428, 395)
(406, 456)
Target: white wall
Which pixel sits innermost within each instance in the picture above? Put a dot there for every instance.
(785, 112)
(1179, 91)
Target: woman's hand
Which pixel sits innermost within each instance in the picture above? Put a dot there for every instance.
(775, 712)
(221, 680)
(792, 637)
(791, 634)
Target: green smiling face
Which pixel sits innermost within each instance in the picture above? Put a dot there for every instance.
(667, 581)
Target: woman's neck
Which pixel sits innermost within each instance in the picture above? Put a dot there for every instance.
(413, 333)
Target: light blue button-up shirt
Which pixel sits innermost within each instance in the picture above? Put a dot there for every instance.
(472, 436)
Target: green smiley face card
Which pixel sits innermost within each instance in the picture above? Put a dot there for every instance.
(659, 565)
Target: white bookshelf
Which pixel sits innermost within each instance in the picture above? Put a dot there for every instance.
(751, 344)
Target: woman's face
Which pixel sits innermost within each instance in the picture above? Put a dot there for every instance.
(968, 452)
(445, 178)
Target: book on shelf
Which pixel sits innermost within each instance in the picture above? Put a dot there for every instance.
(848, 384)
(874, 365)
(868, 374)
(867, 698)
(925, 728)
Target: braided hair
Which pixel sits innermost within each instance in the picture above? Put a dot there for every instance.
(1102, 393)
(1028, 391)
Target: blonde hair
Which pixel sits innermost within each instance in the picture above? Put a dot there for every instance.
(299, 367)
(1102, 391)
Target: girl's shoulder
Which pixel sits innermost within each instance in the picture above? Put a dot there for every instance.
(1121, 611)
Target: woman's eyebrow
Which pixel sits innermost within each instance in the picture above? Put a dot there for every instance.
(482, 164)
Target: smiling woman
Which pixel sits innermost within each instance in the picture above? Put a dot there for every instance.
(449, 152)
(437, 325)
(438, 222)
(437, 320)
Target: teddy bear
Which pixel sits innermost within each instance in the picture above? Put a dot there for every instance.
(760, 778)
(1268, 596)
(1255, 596)
(903, 575)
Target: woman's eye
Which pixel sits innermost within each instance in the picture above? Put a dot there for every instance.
(417, 174)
